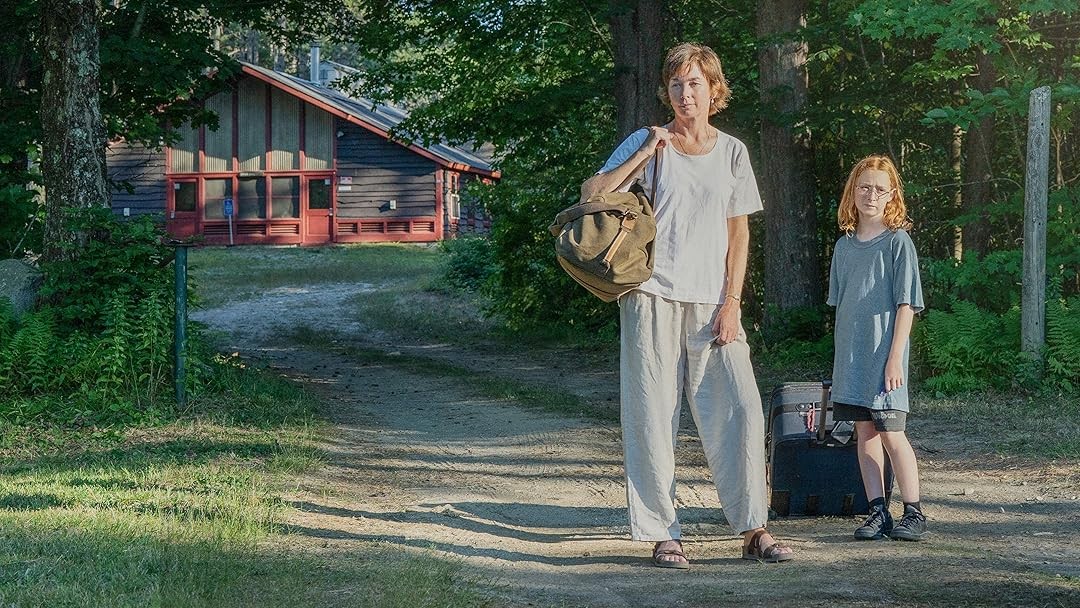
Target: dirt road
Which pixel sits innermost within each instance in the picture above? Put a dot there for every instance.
(534, 503)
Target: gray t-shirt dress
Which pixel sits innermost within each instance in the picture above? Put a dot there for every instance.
(867, 282)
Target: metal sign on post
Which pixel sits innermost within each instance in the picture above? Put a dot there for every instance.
(227, 209)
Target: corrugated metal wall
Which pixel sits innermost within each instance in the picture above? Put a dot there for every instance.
(252, 119)
(185, 152)
(219, 144)
(284, 131)
(318, 139)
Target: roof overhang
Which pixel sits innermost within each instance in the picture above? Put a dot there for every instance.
(324, 104)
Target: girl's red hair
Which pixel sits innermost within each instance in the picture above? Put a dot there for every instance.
(895, 210)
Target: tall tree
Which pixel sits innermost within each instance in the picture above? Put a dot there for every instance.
(73, 133)
(978, 191)
(637, 31)
(792, 253)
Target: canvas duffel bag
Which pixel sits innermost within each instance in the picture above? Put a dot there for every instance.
(605, 243)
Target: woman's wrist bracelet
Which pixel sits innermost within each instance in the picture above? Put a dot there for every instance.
(734, 297)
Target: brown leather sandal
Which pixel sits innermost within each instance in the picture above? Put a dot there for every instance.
(771, 553)
(659, 562)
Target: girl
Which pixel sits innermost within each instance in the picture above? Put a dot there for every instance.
(874, 285)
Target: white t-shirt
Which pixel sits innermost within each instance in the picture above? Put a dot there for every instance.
(695, 195)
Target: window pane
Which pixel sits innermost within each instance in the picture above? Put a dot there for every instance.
(251, 199)
(285, 199)
(184, 196)
(319, 193)
(215, 191)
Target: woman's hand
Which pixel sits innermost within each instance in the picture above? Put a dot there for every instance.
(894, 374)
(606, 182)
(658, 138)
(726, 325)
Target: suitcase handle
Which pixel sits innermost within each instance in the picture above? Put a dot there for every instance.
(826, 389)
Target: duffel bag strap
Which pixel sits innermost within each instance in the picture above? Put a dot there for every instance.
(626, 226)
(580, 210)
(643, 166)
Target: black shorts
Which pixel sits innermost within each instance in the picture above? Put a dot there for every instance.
(884, 420)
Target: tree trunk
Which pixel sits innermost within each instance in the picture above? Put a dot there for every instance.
(978, 170)
(637, 29)
(251, 47)
(956, 164)
(792, 255)
(73, 134)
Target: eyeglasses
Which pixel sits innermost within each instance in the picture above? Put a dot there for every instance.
(875, 192)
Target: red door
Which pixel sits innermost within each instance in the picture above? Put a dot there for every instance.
(182, 209)
(319, 211)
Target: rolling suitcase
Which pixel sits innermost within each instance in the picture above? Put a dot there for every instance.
(813, 468)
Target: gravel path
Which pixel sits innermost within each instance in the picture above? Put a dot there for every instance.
(534, 504)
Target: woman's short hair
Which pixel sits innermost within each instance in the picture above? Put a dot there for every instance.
(681, 57)
(895, 210)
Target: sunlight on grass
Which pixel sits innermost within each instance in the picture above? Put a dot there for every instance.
(119, 560)
(1013, 424)
(223, 274)
(188, 513)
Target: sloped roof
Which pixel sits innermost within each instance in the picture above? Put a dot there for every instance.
(377, 119)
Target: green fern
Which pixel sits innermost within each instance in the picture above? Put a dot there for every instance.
(82, 363)
(152, 341)
(7, 332)
(968, 349)
(114, 357)
(29, 359)
(7, 322)
(1063, 343)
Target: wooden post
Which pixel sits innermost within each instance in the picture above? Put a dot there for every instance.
(1033, 300)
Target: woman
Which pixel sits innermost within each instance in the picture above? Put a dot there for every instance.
(681, 330)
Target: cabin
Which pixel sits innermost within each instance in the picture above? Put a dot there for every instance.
(297, 162)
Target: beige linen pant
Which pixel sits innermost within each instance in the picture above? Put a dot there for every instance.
(667, 348)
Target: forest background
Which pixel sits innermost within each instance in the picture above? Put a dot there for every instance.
(941, 87)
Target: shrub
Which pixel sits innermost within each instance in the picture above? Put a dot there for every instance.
(101, 348)
(529, 290)
(20, 220)
(124, 256)
(467, 263)
(967, 348)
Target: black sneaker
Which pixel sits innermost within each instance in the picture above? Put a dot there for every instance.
(876, 526)
(912, 526)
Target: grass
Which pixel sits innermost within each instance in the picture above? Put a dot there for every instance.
(410, 302)
(188, 513)
(226, 273)
(1040, 425)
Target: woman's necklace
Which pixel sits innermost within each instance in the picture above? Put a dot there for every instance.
(701, 147)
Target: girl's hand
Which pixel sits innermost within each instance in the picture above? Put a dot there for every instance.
(894, 374)
(726, 325)
(658, 138)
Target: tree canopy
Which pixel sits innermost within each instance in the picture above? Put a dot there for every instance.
(941, 87)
